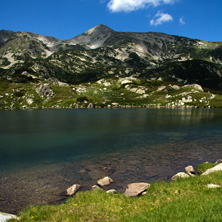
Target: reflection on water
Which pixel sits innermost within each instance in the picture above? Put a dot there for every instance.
(50, 136)
(42, 152)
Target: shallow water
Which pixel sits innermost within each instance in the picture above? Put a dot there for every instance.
(43, 152)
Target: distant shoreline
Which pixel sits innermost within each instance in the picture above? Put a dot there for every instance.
(121, 107)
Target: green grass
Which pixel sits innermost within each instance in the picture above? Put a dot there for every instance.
(186, 199)
(204, 166)
(100, 95)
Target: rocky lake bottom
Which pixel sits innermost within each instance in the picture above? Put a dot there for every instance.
(46, 184)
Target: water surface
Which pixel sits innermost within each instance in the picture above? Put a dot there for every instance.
(42, 152)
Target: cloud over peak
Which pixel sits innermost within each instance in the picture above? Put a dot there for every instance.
(161, 18)
(132, 5)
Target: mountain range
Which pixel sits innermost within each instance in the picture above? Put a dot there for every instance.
(102, 53)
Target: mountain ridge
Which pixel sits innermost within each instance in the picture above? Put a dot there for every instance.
(118, 53)
(102, 53)
(102, 28)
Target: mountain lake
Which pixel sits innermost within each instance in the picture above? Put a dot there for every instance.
(43, 152)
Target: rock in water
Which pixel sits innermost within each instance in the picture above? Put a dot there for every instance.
(180, 175)
(95, 187)
(105, 181)
(190, 170)
(135, 189)
(73, 189)
(214, 169)
(111, 191)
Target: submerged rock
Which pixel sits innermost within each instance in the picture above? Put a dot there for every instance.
(96, 187)
(73, 189)
(135, 189)
(82, 171)
(105, 181)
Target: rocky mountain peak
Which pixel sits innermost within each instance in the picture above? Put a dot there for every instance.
(99, 28)
(93, 38)
(102, 52)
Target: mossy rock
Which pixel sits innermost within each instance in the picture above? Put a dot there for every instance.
(205, 166)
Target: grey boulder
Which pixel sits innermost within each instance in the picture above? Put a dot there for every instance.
(135, 189)
(5, 217)
(105, 181)
(212, 186)
(189, 170)
(218, 161)
(44, 90)
(73, 189)
(95, 187)
(180, 175)
(111, 191)
(214, 169)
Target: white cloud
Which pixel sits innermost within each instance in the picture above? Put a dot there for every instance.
(161, 18)
(182, 21)
(132, 5)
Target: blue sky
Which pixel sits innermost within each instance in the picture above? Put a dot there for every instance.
(64, 19)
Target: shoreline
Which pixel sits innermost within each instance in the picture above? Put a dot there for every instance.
(132, 191)
(135, 156)
(110, 108)
(45, 184)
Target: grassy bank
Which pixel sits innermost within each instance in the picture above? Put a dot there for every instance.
(20, 93)
(187, 199)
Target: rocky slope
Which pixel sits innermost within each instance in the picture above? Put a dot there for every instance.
(28, 60)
